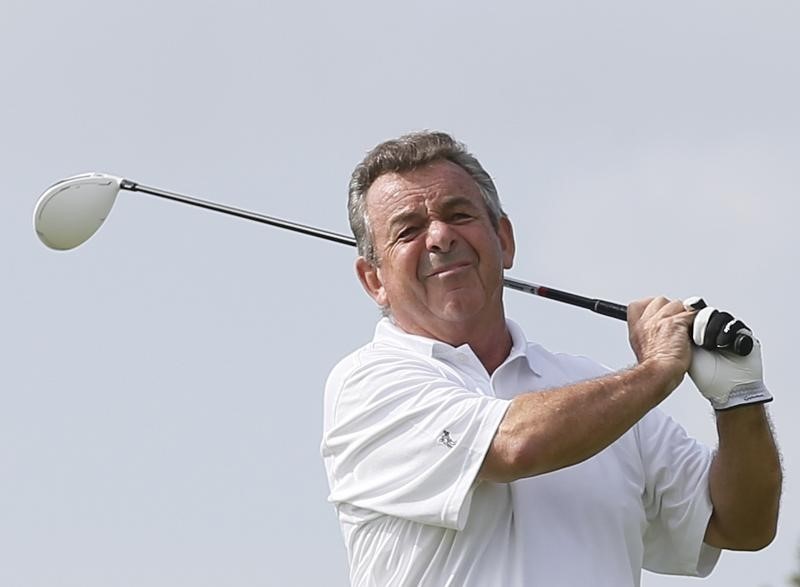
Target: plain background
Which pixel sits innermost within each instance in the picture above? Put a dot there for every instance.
(160, 390)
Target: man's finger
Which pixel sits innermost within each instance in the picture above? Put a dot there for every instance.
(636, 308)
(653, 307)
(672, 308)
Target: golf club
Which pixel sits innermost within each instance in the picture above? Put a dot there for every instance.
(70, 211)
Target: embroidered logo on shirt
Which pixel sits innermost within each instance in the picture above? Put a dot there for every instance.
(445, 440)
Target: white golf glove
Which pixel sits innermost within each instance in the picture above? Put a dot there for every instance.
(725, 379)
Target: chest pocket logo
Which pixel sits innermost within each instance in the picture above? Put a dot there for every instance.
(445, 439)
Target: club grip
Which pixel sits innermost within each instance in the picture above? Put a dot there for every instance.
(742, 344)
(611, 309)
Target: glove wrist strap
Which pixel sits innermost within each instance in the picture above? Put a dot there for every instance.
(744, 394)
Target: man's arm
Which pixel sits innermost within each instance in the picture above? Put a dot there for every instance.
(745, 481)
(545, 431)
(745, 477)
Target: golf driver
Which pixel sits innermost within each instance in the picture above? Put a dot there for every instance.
(70, 211)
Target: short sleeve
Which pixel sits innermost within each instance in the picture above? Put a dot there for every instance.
(403, 439)
(677, 500)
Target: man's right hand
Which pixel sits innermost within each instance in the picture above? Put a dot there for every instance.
(658, 330)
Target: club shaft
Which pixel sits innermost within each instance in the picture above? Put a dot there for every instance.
(612, 309)
(126, 184)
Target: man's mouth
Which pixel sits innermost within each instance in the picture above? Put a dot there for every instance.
(450, 269)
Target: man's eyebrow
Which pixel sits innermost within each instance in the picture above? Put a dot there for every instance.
(404, 217)
(451, 202)
(447, 204)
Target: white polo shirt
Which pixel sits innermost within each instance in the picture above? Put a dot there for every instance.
(407, 423)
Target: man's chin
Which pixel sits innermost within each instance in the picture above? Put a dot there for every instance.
(459, 308)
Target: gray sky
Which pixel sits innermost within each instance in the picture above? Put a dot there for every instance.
(161, 386)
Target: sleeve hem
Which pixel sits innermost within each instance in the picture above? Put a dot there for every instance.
(456, 509)
(706, 556)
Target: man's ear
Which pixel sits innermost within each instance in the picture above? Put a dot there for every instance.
(506, 233)
(370, 277)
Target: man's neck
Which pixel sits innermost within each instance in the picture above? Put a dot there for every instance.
(490, 341)
(493, 349)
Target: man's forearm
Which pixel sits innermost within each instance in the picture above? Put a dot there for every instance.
(745, 481)
(548, 430)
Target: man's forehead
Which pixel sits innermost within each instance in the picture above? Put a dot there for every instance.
(442, 179)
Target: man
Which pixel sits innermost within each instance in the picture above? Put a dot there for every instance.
(458, 453)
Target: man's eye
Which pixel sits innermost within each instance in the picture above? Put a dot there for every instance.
(407, 233)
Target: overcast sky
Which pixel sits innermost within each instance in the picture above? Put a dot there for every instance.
(160, 395)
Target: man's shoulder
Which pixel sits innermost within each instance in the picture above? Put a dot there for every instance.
(351, 362)
(389, 343)
(371, 363)
(378, 354)
(376, 372)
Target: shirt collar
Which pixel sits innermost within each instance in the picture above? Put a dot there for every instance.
(388, 331)
(519, 345)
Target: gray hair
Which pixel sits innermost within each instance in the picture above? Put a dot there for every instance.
(407, 153)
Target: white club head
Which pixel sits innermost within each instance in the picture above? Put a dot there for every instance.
(72, 210)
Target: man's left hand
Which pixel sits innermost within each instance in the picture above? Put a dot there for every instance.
(727, 380)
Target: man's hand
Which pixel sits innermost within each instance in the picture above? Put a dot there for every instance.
(727, 380)
(658, 330)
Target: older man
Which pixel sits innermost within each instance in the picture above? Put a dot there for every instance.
(460, 453)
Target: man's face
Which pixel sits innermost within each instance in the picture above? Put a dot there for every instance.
(440, 259)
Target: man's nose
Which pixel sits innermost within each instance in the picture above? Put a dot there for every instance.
(440, 237)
